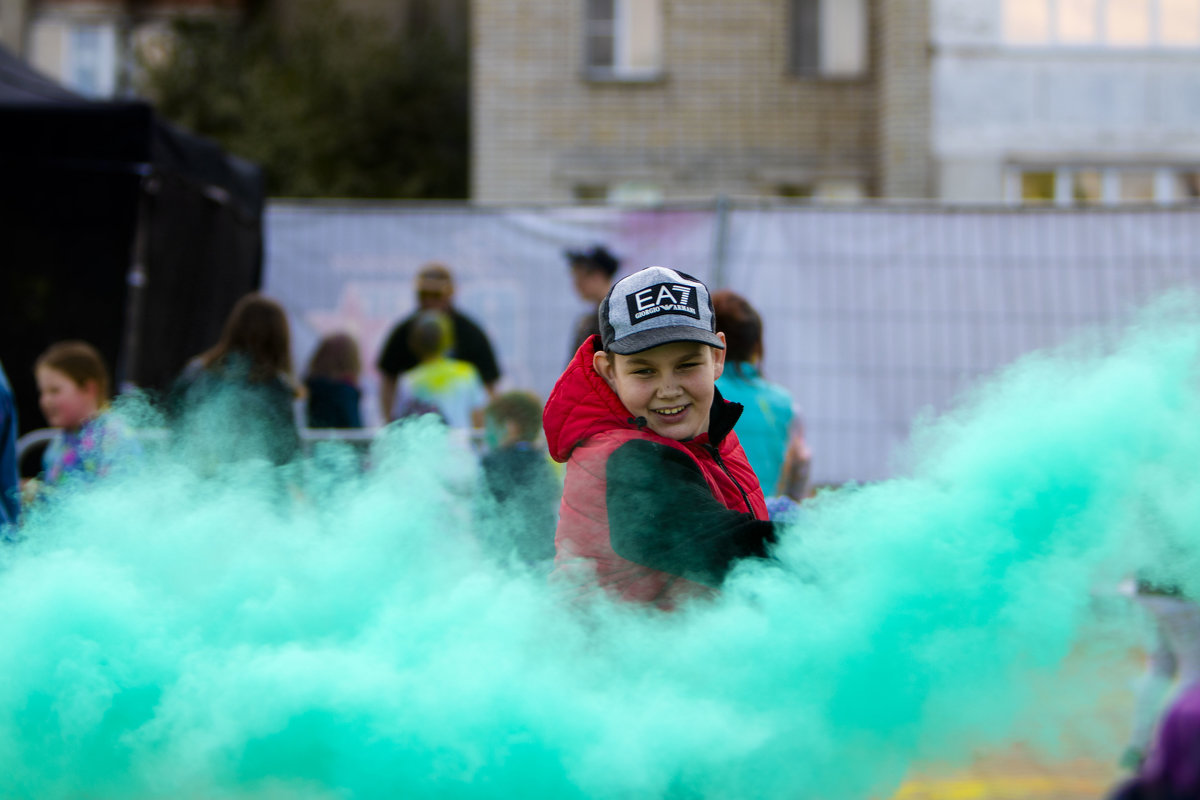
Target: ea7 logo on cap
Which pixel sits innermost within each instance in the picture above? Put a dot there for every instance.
(662, 298)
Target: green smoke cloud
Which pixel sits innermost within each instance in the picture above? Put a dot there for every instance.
(169, 632)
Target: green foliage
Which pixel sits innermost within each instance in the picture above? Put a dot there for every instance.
(330, 106)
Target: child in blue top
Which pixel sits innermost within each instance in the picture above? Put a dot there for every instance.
(519, 489)
(771, 429)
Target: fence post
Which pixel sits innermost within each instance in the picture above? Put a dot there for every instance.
(720, 242)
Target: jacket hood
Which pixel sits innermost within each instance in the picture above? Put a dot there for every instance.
(582, 404)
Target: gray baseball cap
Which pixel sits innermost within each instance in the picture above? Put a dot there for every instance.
(657, 306)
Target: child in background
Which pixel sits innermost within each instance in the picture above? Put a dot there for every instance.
(520, 492)
(235, 400)
(73, 384)
(771, 428)
(438, 383)
(332, 383)
(659, 500)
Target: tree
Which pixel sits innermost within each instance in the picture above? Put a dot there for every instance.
(330, 105)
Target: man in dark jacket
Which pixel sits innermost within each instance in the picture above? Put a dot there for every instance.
(435, 292)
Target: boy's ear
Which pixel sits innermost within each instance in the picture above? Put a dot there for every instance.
(718, 358)
(92, 387)
(604, 367)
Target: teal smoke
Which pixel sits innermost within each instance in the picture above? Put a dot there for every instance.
(169, 632)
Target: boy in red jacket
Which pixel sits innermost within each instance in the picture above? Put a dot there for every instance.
(659, 500)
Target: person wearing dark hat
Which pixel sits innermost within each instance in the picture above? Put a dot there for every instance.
(659, 501)
(592, 272)
(435, 292)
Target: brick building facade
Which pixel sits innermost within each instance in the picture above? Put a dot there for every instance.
(793, 98)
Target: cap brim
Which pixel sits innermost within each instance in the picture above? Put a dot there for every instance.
(644, 340)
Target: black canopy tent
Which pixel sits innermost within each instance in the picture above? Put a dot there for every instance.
(116, 228)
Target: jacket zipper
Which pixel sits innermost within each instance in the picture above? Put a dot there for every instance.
(717, 457)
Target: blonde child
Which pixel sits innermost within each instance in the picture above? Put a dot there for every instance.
(447, 386)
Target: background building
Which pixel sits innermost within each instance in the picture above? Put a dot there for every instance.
(1067, 101)
(651, 100)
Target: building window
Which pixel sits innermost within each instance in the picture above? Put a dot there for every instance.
(839, 190)
(828, 38)
(1103, 23)
(622, 193)
(590, 192)
(623, 39)
(91, 60)
(1037, 187)
(1186, 187)
(635, 194)
(1136, 186)
(1080, 185)
(1087, 186)
(794, 191)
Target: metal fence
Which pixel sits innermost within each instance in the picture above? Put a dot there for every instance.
(873, 314)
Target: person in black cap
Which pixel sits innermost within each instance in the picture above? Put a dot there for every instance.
(592, 272)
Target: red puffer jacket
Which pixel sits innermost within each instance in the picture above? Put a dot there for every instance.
(647, 518)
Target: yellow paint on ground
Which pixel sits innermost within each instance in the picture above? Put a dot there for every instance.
(1032, 787)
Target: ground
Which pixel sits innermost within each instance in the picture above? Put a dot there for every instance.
(1019, 772)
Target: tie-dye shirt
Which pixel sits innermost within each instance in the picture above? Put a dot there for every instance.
(89, 452)
(451, 386)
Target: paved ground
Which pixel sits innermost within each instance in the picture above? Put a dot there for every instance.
(1019, 773)
(1013, 776)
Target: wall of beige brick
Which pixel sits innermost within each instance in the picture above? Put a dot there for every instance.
(724, 118)
(905, 112)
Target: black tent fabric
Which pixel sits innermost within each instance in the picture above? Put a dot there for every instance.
(116, 228)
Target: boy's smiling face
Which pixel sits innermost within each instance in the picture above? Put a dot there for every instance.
(671, 385)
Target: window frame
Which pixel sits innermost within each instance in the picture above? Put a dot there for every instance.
(619, 70)
(105, 58)
(1165, 177)
(1049, 11)
(813, 19)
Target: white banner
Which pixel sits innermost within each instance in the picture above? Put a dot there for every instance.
(872, 315)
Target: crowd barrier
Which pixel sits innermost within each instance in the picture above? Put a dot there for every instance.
(34, 441)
